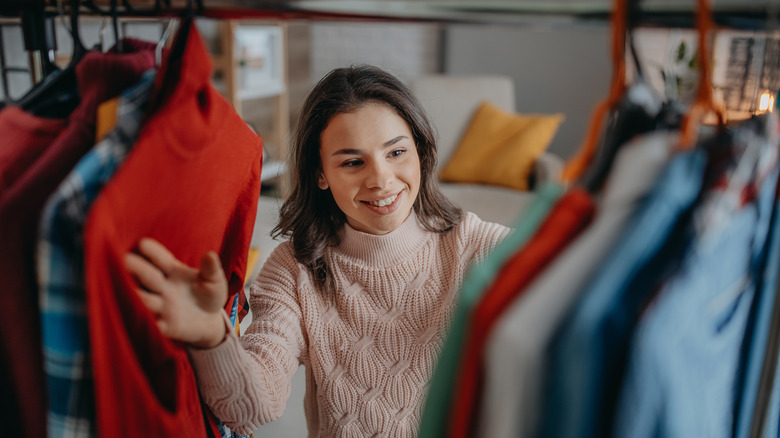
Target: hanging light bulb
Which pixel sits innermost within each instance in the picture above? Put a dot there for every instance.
(766, 102)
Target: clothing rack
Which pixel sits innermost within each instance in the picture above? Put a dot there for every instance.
(666, 13)
(36, 15)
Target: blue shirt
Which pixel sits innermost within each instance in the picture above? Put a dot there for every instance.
(684, 361)
(592, 341)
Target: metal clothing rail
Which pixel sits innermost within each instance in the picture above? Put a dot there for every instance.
(737, 14)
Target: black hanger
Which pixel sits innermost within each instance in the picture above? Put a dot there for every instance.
(174, 55)
(58, 95)
(115, 25)
(637, 112)
(38, 31)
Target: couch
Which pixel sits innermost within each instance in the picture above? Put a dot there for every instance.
(450, 102)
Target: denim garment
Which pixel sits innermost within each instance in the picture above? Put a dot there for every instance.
(684, 362)
(757, 342)
(755, 345)
(591, 342)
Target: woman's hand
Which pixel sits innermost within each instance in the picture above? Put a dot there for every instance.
(187, 302)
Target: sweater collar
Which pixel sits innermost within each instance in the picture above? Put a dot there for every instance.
(384, 249)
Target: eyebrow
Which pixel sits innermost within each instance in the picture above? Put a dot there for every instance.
(387, 144)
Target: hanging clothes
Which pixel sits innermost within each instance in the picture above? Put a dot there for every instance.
(588, 347)
(757, 417)
(439, 398)
(191, 182)
(684, 357)
(22, 401)
(514, 355)
(756, 351)
(100, 77)
(60, 270)
(25, 137)
(568, 217)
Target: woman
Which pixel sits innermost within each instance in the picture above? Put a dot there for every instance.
(362, 291)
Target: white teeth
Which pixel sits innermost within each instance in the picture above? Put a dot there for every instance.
(384, 202)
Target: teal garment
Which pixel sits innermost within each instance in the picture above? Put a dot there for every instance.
(437, 404)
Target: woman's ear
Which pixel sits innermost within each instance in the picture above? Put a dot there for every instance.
(322, 183)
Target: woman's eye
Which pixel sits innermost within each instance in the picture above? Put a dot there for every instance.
(397, 152)
(351, 163)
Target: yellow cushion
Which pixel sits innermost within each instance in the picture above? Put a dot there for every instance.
(500, 148)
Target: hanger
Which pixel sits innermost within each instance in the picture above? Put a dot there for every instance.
(704, 103)
(115, 24)
(57, 95)
(630, 110)
(37, 31)
(79, 50)
(161, 44)
(187, 17)
(576, 166)
(636, 112)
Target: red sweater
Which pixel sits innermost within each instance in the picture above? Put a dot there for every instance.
(33, 161)
(192, 182)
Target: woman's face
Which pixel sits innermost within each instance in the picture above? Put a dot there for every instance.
(370, 163)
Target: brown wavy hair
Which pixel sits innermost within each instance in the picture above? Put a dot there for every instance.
(310, 217)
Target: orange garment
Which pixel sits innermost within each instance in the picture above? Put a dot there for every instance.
(106, 118)
(567, 218)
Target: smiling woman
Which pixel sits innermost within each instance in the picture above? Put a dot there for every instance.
(362, 291)
(374, 181)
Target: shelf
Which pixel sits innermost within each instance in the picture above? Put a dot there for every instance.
(261, 90)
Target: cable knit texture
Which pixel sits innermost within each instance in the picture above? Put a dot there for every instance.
(369, 349)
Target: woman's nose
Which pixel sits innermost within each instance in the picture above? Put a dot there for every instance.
(380, 176)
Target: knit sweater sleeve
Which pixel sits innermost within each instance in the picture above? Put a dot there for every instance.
(246, 382)
(478, 238)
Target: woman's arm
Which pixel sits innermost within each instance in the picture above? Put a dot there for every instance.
(244, 385)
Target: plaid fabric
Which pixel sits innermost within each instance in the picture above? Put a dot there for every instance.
(60, 271)
(242, 305)
(225, 431)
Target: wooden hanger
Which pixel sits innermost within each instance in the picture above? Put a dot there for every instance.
(576, 166)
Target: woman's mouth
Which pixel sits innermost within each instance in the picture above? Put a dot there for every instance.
(385, 205)
(383, 202)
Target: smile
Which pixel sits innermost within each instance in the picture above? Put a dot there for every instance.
(384, 202)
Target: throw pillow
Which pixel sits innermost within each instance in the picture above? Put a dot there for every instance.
(499, 148)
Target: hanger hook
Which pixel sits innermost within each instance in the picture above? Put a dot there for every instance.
(115, 23)
(101, 34)
(78, 46)
(163, 39)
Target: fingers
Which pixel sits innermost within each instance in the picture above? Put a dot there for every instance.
(211, 268)
(147, 274)
(163, 327)
(154, 303)
(159, 255)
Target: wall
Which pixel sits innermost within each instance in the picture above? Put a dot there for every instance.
(405, 49)
(562, 69)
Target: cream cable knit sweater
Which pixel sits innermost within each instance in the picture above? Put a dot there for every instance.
(369, 350)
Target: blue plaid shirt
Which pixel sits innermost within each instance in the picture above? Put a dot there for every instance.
(60, 271)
